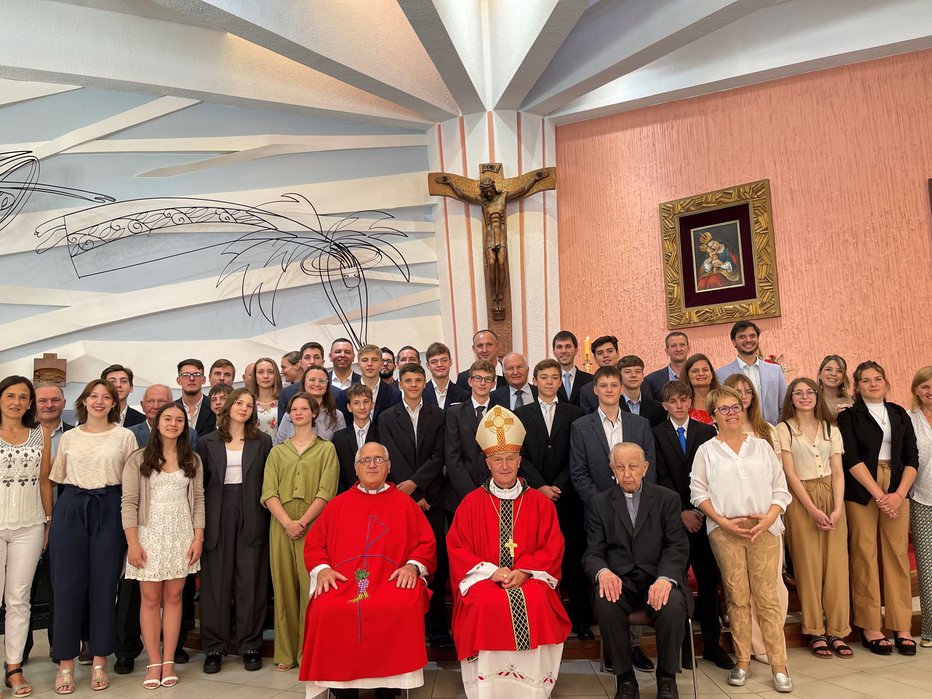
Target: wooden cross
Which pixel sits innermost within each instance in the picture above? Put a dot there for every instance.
(511, 546)
(492, 192)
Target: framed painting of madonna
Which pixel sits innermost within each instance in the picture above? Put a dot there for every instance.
(719, 262)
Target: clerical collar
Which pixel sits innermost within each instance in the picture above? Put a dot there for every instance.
(373, 492)
(511, 493)
(633, 495)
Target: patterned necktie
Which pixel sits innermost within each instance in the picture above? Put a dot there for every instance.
(566, 384)
(681, 433)
(361, 438)
(479, 410)
(519, 398)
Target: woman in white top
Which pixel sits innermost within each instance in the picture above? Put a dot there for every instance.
(920, 497)
(329, 421)
(25, 514)
(235, 562)
(266, 385)
(163, 518)
(816, 526)
(754, 424)
(86, 539)
(880, 466)
(738, 484)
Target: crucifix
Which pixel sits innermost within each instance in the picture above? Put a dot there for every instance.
(511, 546)
(492, 192)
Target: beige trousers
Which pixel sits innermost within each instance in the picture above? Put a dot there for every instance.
(758, 647)
(750, 569)
(820, 562)
(868, 527)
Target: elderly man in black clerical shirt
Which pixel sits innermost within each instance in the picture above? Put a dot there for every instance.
(636, 557)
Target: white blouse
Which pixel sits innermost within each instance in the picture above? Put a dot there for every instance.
(748, 482)
(20, 503)
(922, 487)
(234, 473)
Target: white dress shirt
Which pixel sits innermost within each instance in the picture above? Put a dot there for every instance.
(344, 384)
(613, 433)
(364, 429)
(548, 409)
(922, 487)
(526, 396)
(414, 413)
(752, 371)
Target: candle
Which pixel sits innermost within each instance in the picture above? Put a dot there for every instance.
(587, 352)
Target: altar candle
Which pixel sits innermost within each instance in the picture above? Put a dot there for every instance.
(587, 348)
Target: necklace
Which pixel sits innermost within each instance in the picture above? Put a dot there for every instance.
(881, 415)
(510, 544)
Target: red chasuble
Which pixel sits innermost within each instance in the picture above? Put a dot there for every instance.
(367, 627)
(489, 617)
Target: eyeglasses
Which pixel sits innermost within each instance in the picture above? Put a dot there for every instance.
(482, 379)
(317, 381)
(192, 375)
(377, 460)
(729, 409)
(804, 394)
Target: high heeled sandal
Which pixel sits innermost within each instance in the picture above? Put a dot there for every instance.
(152, 682)
(169, 680)
(64, 681)
(100, 678)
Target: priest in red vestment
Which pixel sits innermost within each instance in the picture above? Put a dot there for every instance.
(505, 549)
(369, 555)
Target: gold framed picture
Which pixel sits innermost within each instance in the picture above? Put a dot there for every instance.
(719, 261)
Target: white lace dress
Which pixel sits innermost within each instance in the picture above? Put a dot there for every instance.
(169, 532)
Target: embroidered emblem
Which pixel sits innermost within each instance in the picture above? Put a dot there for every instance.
(362, 586)
(511, 671)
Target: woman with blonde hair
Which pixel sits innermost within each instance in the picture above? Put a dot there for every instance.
(739, 485)
(816, 526)
(880, 466)
(920, 497)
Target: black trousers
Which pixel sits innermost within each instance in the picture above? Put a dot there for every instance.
(233, 570)
(574, 583)
(708, 577)
(87, 547)
(669, 623)
(436, 619)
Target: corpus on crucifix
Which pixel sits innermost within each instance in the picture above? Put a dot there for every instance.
(492, 192)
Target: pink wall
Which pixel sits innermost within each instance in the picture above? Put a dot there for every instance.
(848, 152)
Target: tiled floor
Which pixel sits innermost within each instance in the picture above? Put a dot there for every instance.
(865, 675)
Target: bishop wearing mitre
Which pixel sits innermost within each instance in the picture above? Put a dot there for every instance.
(505, 549)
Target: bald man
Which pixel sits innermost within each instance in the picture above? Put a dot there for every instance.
(516, 391)
(154, 398)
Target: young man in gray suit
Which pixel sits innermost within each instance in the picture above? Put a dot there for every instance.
(768, 378)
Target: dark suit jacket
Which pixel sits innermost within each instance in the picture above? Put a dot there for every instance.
(133, 417)
(673, 467)
(582, 378)
(455, 394)
(655, 381)
(213, 453)
(545, 459)
(587, 398)
(502, 396)
(466, 467)
(462, 379)
(344, 441)
(656, 543)
(589, 452)
(423, 463)
(862, 437)
(206, 420)
(650, 409)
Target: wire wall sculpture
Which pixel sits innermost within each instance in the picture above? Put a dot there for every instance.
(272, 242)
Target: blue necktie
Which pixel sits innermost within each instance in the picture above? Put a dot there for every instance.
(681, 433)
(566, 384)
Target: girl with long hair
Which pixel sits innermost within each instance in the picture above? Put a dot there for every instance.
(163, 519)
(266, 385)
(834, 386)
(316, 382)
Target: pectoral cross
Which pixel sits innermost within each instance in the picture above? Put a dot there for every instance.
(492, 192)
(511, 546)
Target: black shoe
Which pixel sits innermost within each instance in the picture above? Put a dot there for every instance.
(345, 693)
(181, 656)
(252, 661)
(627, 689)
(583, 632)
(687, 657)
(641, 661)
(212, 662)
(123, 666)
(386, 693)
(666, 688)
(718, 656)
(440, 639)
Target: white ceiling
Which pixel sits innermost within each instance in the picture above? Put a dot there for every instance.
(416, 62)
